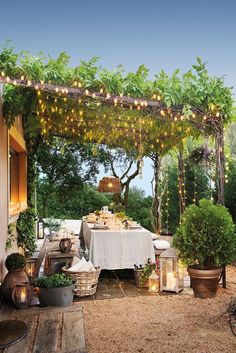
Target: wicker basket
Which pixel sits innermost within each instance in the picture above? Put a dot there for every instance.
(85, 282)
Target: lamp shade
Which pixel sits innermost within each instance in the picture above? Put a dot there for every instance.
(110, 184)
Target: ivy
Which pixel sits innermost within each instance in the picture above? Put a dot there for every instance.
(25, 227)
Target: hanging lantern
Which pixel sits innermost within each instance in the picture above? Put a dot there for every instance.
(153, 282)
(110, 184)
(171, 278)
(31, 267)
(65, 245)
(22, 295)
(40, 228)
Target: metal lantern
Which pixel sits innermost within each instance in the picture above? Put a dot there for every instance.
(171, 278)
(65, 245)
(22, 295)
(110, 184)
(153, 282)
(40, 228)
(31, 267)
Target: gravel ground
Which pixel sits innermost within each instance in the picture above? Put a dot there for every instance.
(161, 324)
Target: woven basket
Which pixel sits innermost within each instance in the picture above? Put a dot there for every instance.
(85, 282)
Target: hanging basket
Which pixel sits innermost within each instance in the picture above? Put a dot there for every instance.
(110, 184)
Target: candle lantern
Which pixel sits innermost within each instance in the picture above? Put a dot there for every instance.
(40, 228)
(171, 278)
(31, 267)
(153, 282)
(65, 245)
(22, 295)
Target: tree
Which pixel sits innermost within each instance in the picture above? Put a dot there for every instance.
(63, 169)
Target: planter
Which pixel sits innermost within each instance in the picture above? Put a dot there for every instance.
(204, 282)
(13, 278)
(138, 274)
(61, 296)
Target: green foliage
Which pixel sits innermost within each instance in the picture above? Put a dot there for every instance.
(52, 224)
(54, 281)
(11, 236)
(138, 207)
(25, 227)
(206, 236)
(147, 270)
(15, 261)
(194, 90)
(230, 187)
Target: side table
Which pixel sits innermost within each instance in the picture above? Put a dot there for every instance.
(55, 260)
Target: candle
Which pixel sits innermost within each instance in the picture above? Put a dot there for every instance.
(170, 281)
(23, 295)
(29, 272)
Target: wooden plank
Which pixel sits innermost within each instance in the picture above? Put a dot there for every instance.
(73, 332)
(7, 312)
(24, 345)
(36, 310)
(47, 333)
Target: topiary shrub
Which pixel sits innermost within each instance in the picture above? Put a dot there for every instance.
(206, 236)
(54, 281)
(15, 261)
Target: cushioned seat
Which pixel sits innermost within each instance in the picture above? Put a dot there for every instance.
(161, 244)
(155, 236)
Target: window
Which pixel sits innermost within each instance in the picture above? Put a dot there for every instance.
(14, 176)
(17, 179)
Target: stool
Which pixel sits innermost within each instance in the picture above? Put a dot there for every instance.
(11, 332)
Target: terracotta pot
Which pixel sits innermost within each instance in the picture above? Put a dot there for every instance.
(204, 282)
(12, 278)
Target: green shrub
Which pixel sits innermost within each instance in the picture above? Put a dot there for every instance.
(206, 236)
(26, 231)
(15, 261)
(54, 281)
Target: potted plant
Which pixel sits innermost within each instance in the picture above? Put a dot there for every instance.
(206, 241)
(15, 264)
(55, 290)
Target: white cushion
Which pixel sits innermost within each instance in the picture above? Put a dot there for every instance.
(81, 265)
(154, 236)
(75, 260)
(161, 244)
(87, 267)
(78, 265)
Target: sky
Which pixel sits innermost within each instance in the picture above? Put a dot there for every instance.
(165, 34)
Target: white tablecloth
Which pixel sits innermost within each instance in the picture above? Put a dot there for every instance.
(118, 249)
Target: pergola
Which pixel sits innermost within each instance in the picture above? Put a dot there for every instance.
(122, 121)
(132, 112)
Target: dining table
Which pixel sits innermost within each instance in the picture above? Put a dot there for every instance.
(113, 248)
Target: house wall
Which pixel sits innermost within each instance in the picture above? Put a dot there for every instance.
(4, 193)
(9, 213)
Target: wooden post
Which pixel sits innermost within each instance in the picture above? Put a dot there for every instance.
(220, 175)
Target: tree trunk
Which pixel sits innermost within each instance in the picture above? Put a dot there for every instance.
(156, 204)
(220, 177)
(181, 183)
